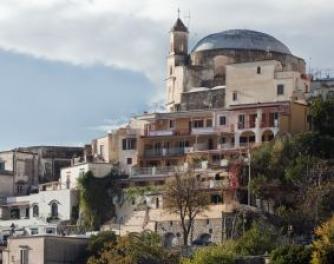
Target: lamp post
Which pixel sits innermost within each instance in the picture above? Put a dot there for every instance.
(249, 177)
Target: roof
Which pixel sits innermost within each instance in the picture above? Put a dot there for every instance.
(179, 26)
(241, 39)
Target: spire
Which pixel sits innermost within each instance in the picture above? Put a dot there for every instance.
(179, 25)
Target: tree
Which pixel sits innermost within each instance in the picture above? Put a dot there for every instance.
(256, 241)
(321, 112)
(185, 196)
(291, 254)
(210, 255)
(135, 248)
(323, 245)
(97, 242)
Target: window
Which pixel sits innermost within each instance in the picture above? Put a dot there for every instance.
(24, 256)
(2, 166)
(258, 70)
(280, 89)
(35, 211)
(235, 96)
(223, 140)
(209, 123)
(241, 123)
(198, 123)
(19, 188)
(15, 213)
(129, 161)
(54, 210)
(222, 120)
(27, 213)
(102, 150)
(129, 143)
(68, 182)
(34, 231)
(171, 123)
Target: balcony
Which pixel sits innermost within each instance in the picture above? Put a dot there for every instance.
(156, 171)
(159, 133)
(202, 130)
(163, 152)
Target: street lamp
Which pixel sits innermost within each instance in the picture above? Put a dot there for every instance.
(249, 177)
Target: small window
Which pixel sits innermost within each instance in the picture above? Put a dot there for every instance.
(223, 140)
(222, 120)
(129, 161)
(209, 123)
(54, 210)
(235, 96)
(171, 123)
(280, 89)
(35, 211)
(2, 166)
(102, 150)
(198, 123)
(258, 70)
(24, 256)
(129, 143)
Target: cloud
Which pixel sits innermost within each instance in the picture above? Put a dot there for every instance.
(133, 35)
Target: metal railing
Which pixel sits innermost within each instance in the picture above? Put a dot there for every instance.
(163, 152)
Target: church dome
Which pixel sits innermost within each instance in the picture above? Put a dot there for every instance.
(241, 39)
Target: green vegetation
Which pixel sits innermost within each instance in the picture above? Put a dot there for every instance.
(96, 199)
(135, 248)
(291, 254)
(211, 255)
(323, 245)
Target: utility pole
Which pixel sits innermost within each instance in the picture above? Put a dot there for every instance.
(249, 176)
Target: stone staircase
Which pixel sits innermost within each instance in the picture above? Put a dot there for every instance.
(137, 222)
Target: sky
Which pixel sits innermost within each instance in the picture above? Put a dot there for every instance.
(72, 70)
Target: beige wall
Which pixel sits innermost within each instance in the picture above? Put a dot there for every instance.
(46, 250)
(252, 87)
(6, 185)
(101, 147)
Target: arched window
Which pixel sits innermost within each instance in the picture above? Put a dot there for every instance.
(54, 210)
(35, 211)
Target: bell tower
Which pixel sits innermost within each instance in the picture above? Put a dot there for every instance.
(176, 62)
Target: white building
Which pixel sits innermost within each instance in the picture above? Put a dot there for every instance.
(38, 213)
(69, 176)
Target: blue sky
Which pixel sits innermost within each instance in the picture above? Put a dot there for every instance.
(47, 102)
(73, 69)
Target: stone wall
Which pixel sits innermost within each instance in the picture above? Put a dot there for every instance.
(206, 99)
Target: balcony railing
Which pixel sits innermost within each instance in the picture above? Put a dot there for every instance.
(163, 152)
(159, 133)
(202, 130)
(156, 171)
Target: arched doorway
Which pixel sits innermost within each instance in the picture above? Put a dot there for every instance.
(267, 136)
(247, 138)
(54, 210)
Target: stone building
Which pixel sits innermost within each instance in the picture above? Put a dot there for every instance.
(323, 88)
(30, 166)
(201, 75)
(45, 250)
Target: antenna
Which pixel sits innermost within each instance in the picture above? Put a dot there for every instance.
(188, 19)
(178, 12)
